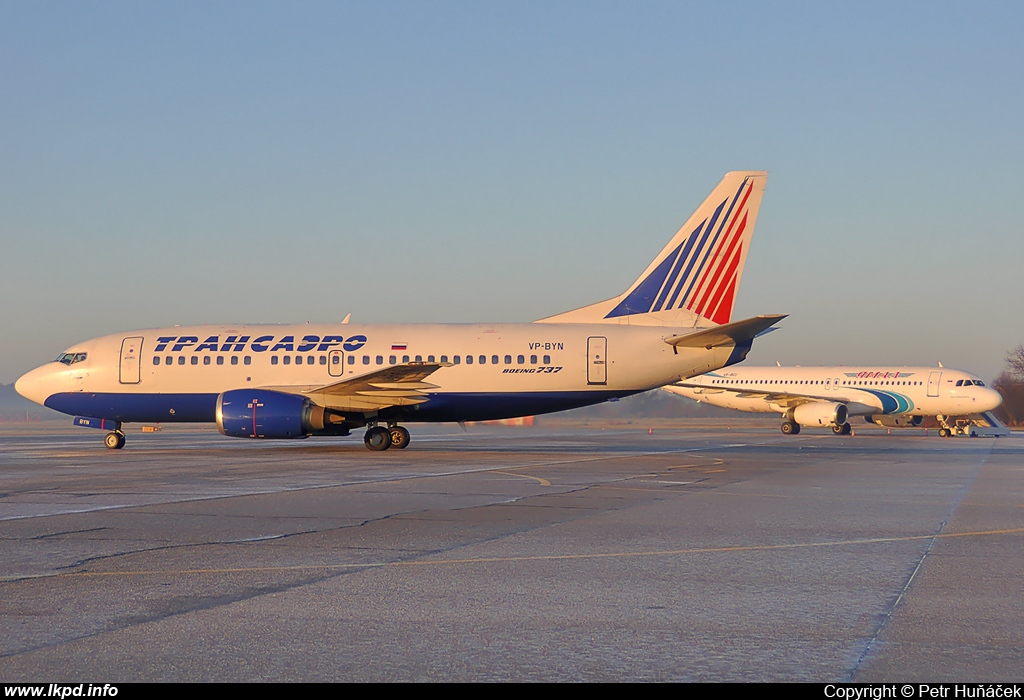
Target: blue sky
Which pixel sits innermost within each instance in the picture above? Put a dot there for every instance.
(166, 163)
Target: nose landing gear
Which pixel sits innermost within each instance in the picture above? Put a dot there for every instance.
(114, 440)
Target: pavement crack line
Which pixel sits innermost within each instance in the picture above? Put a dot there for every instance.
(938, 534)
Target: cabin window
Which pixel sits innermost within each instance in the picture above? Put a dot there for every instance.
(220, 359)
(298, 359)
(287, 359)
(273, 359)
(533, 359)
(508, 359)
(547, 359)
(234, 359)
(419, 358)
(380, 359)
(156, 360)
(247, 360)
(456, 359)
(444, 358)
(469, 359)
(181, 359)
(405, 358)
(206, 359)
(430, 358)
(520, 360)
(392, 360)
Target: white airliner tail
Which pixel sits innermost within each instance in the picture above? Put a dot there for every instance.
(695, 277)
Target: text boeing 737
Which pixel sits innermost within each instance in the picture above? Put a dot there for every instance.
(828, 396)
(293, 381)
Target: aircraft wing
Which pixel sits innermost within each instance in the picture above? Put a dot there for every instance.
(398, 385)
(727, 334)
(786, 399)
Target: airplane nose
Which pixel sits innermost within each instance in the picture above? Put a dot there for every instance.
(31, 385)
(990, 399)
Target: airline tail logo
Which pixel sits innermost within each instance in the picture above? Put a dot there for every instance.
(702, 272)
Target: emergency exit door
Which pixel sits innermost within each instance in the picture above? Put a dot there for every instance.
(336, 363)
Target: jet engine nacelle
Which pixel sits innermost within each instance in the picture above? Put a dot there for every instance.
(258, 413)
(897, 421)
(820, 413)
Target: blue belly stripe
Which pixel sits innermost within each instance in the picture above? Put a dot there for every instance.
(201, 408)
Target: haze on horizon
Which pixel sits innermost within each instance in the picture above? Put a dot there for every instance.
(183, 163)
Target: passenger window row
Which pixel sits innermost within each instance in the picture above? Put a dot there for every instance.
(169, 360)
(966, 382)
(322, 359)
(455, 359)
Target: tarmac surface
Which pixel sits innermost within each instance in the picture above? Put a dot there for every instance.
(706, 551)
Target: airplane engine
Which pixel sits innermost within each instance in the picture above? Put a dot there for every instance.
(820, 414)
(258, 413)
(896, 421)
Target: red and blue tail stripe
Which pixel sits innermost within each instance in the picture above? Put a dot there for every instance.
(702, 272)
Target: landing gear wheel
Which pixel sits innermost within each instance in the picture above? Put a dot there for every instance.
(790, 428)
(944, 432)
(399, 437)
(843, 429)
(377, 439)
(114, 440)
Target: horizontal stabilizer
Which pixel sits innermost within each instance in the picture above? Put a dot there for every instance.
(734, 333)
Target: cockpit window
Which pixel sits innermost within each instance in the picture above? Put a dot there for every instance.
(70, 358)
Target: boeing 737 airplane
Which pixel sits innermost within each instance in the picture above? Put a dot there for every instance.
(828, 396)
(293, 381)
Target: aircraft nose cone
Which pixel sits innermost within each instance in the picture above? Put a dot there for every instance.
(30, 385)
(990, 399)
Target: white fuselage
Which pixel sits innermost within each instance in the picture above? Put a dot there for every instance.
(866, 391)
(490, 370)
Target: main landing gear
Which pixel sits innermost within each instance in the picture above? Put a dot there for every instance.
(793, 428)
(114, 440)
(379, 439)
(399, 437)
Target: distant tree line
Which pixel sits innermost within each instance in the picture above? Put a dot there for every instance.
(1010, 383)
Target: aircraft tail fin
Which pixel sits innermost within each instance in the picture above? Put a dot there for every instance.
(696, 276)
